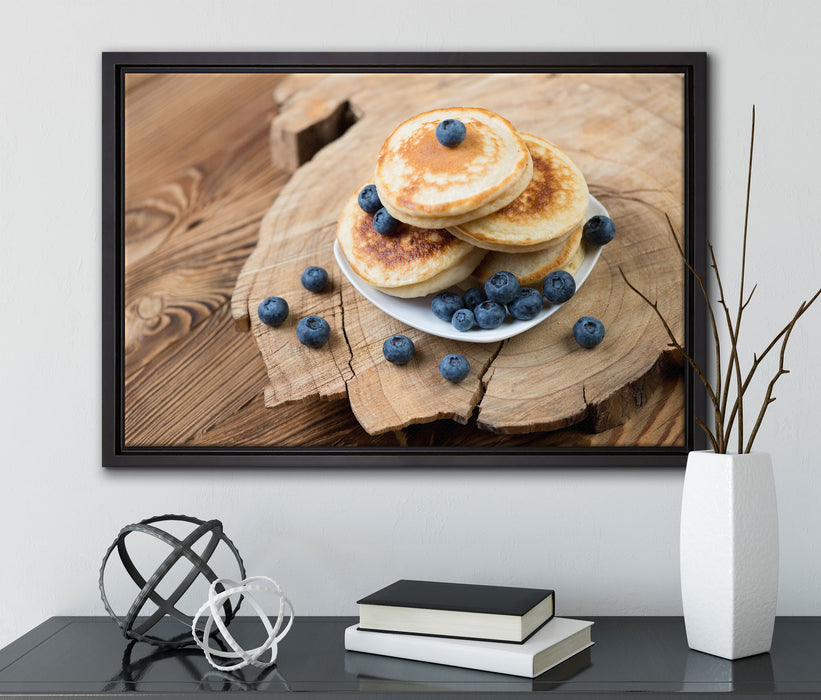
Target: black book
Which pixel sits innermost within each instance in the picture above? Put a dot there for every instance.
(470, 611)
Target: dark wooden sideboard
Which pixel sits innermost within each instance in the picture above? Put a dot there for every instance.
(88, 657)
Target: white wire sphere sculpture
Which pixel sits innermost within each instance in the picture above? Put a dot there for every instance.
(219, 592)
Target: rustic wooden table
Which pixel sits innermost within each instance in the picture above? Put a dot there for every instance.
(198, 181)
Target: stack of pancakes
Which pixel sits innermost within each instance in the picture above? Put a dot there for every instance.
(499, 200)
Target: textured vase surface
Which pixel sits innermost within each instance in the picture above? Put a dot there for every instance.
(729, 553)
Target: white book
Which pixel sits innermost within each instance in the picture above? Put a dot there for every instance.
(557, 641)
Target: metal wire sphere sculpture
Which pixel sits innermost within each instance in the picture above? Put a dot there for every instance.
(137, 628)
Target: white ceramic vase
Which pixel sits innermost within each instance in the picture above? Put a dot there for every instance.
(729, 553)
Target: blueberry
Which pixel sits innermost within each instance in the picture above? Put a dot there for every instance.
(314, 279)
(502, 287)
(489, 315)
(559, 286)
(451, 132)
(454, 367)
(398, 349)
(588, 331)
(384, 223)
(463, 320)
(369, 199)
(445, 304)
(474, 296)
(599, 230)
(273, 311)
(313, 331)
(527, 304)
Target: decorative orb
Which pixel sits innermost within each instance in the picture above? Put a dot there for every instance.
(137, 627)
(221, 591)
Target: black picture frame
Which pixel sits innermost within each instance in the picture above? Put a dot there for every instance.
(693, 66)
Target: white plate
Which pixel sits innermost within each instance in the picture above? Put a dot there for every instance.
(416, 312)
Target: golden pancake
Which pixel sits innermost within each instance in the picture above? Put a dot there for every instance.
(532, 268)
(572, 266)
(443, 280)
(553, 204)
(426, 184)
(413, 262)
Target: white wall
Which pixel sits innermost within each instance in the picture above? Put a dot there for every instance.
(607, 540)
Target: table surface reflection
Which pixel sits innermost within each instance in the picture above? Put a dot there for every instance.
(88, 656)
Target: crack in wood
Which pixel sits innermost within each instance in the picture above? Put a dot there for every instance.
(484, 377)
(345, 336)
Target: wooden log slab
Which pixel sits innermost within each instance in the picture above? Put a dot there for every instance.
(625, 134)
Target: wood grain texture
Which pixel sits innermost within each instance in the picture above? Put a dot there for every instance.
(192, 144)
(198, 182)
(625, 132)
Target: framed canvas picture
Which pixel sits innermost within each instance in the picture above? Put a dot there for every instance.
(227, 175)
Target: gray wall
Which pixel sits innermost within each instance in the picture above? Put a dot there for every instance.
(606, 540)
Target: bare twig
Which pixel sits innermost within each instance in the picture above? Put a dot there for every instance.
(749, 298)
(709, 434)
(719, 416)
(674, 343)
(725, 391)
(757, 359)
(769, 398)
(741, 304)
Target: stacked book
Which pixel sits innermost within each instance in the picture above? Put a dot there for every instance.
(490, 628)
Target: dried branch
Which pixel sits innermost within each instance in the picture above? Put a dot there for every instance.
(741, 304)
(749, 298)
(757, 359)
(725, 391)
(769, 398)
(712, 438)
(718, 439)
(674, 343)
